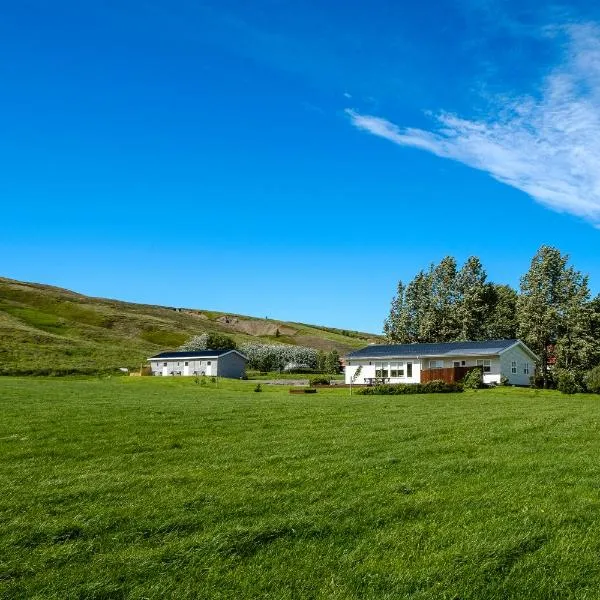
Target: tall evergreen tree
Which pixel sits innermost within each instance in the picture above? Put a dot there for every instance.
(444, 296)
(471, 302)
(501, 312)
(552, 311)
(396, 327)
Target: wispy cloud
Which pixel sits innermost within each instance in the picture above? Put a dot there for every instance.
(546, 145)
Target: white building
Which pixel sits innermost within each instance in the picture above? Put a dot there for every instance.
(212, 363)
(406, 363)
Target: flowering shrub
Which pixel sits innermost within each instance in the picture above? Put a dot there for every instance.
(271, 357)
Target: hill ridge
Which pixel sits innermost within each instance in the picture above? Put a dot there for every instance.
(46, 328)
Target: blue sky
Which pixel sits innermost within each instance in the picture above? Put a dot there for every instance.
(294, 159)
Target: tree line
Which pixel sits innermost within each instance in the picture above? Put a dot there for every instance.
(553, 311)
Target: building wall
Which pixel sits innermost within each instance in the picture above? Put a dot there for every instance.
(178, 365)
(522, 359)
(369, 368)
(231, 365)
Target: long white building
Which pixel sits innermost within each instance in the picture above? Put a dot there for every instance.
(408, 363)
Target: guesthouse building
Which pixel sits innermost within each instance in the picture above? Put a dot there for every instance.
(212, 363)
(501, 361)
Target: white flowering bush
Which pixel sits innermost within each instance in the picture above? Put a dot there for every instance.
(272, 357)
(198, 342)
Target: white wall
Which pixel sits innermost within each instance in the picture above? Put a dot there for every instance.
(521, 358)
(369, 366)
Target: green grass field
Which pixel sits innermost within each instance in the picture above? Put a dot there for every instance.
(151, 488)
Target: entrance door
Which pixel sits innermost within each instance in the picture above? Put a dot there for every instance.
(186, 368)
(165, 370)
(209, 368)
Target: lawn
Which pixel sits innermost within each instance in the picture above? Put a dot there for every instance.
(161, 488)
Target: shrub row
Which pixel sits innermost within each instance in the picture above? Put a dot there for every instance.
(575, 382)
(431, 387)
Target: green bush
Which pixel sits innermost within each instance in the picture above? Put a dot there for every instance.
(473, 380)
(319, 381)
(592, 380)
(569, 382)
(258, 388)
(431, 387)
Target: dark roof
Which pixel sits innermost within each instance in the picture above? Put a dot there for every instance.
(195, 354)
(441, 349)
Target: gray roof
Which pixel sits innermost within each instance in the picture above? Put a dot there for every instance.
(439, 349)
(194, 354)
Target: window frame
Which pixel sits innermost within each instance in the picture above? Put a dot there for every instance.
(481, 363)
(513, 367)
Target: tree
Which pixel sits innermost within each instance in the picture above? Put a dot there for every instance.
(321, 361)
(332, 362)
(551, 311)
(443, 323)
(396, 327)
(209, 341)
(217, 341)
(501, 312)
(471, 306)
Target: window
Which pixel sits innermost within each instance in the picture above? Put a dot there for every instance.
(456, 363)
(186, 363)
(397, 369)
(209, 363)
(164, 364)
(526, 369)
(409, 369)
(513, 367)
(381, 370)
(486, 363)
(436, 364)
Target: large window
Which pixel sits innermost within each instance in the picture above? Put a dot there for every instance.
(486, 363)
(526, 368)
(397, 369)
(513, 367)
(436, 364)
(381, 370)
(409, 369)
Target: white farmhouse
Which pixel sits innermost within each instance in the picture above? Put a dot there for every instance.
(212, 363)
(413, 363)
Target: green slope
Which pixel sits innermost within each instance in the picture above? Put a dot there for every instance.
(48, 329)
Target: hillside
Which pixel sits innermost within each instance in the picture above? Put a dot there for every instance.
(48, 329)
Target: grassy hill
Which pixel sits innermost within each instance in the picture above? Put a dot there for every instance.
(46, 329)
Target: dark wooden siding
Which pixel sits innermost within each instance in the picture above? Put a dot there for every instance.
(449, 375)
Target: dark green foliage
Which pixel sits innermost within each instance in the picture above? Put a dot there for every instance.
(332, 362)
(501, 312)
(447, 304)
(592, 380)
(319, 381)
(473, 380)
(431, 387)
(320, 361)
(554, 312)
(217, 341)
(258, 388)
(569, 382)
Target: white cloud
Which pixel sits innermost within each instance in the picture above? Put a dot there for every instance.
(547, 146)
